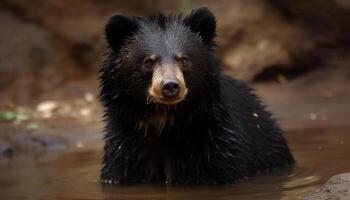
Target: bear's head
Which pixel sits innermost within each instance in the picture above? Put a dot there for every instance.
(163, 60)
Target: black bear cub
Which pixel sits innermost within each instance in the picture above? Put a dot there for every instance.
(171, 115)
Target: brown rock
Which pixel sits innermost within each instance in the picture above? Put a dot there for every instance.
(78, 20)
(337, 188)
(24, 48)
(253, 35)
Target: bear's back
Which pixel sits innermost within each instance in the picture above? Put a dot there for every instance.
(258, 128)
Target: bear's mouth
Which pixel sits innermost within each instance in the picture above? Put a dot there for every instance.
(153, 97)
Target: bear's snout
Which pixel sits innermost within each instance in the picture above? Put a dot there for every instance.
(170, 88)
(168, 85)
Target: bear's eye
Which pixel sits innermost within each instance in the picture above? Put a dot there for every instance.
(184, 62)
(150, 62)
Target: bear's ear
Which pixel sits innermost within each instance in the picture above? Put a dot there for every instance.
(118, 28)
(202, 21)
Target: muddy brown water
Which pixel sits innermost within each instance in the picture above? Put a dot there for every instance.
(320, 154)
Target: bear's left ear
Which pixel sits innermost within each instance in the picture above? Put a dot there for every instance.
(118, 29)
(202, 21)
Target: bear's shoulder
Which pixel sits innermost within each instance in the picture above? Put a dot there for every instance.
(235, 91)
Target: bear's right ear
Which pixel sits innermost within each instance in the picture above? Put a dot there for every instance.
(202, 21)
(118, 28)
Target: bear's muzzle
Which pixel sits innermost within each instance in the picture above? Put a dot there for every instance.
(168, 84)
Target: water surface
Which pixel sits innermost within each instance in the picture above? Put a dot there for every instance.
(320, 154)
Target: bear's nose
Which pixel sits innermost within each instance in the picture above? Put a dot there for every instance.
(170, 88)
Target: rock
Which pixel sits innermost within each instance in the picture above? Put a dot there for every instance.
(6, 149)
(337, 188)
(89, 97)
(344, 3)
(79, 24)
(40, 143)
(266, 54)
(50, 143)
(80, 20)
(24, 49)
(257, 36)
(46, 108)
(33, 59)
(254, 36)
(25, 143)
(27, 56)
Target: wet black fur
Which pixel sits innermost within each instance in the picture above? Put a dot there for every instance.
(221, 131)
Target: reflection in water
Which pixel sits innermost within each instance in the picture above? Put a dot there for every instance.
(319, 154)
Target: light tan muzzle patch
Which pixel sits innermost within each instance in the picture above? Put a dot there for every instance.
(168, 85)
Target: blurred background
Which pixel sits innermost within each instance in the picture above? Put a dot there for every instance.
(294, 53)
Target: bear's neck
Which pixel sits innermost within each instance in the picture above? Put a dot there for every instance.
(159, 119)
